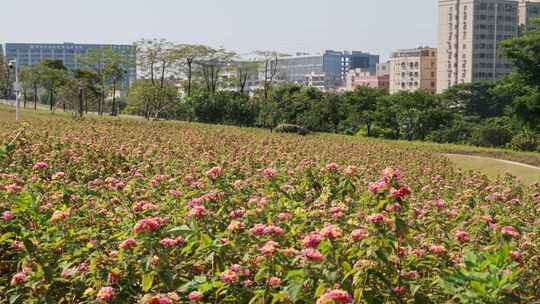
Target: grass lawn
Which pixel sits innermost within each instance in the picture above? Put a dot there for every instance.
(494, 168)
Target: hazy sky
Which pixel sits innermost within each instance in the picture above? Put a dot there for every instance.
(378, 26)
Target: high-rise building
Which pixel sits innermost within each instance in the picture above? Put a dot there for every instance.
(469, 36)
(34, 53)
(333, 66)
(529, 10)
(413, 69)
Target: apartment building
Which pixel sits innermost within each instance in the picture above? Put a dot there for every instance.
(529, 10)
(469, 35)
(34, 53)
(365, 78)
(413, 69)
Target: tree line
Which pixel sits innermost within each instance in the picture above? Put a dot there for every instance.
(505, 113)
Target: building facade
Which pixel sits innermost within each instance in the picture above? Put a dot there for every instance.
(383, 69)
(469, 35)
(529, 10)
(35, 53)
(413, 69)
(365, 78)
(332, 65)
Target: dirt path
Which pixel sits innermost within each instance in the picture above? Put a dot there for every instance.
(495, 159)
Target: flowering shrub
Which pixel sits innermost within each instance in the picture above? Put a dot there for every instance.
(129, 212)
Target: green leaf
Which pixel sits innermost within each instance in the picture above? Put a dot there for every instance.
(25, 202)
(167, 278)
(147, 281)
(181, 230)
(294, 290)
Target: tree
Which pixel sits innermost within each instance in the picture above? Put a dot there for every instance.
(478, 99)
(524, 53)
(187, 55)
(89, 81)
(105, 62)
(212, 65)
(142, 101)
(155, 60)
(245, 70)
(359, 108)
(269, 61)
(53, 75)
(31, 78)
(5, 78)
(117, 74)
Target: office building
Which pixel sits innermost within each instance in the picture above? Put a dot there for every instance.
(529, 11)
(413, 69)
(332, 65)
(365, 78)
(34, 53)
(469, 35)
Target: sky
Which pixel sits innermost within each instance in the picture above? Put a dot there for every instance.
(290, 26)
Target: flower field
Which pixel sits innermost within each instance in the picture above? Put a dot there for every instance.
(125, 211)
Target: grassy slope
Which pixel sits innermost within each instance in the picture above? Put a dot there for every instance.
(494, 168)
(491, 168)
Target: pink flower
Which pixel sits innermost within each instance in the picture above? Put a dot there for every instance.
(399, 290)
(269, 173)
(376, 218)
(58, 175)
(236, 226)
(335, 296)
(313, 239)
(510, 231)
(214, 173)
(462, 236)
(438, 250)
(105, 294)
(359, 234)
(229, 277)
(40, 166)
(390, 173)
(284, 216)
(439, 203)
(68, 273)
(17, 246)
(269, 248)
(7, 215)
(195, 296)
(351, 171)
(413, 275)
(377, 187)
(197, 212)
(401, 192)
(274, 281)
(167, 242)
(331, 232)
(148, 224)
(18, 278)
(313, 255)
(59, 216)
(129, 243)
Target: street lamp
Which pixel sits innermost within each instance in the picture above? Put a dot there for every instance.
(14, 64)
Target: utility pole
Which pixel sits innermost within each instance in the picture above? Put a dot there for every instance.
(14, 64)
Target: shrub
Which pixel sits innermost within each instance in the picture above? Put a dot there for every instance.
(289, 128)
(491, 136)
(526, 140)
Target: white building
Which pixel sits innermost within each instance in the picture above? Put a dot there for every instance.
(469, 35)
